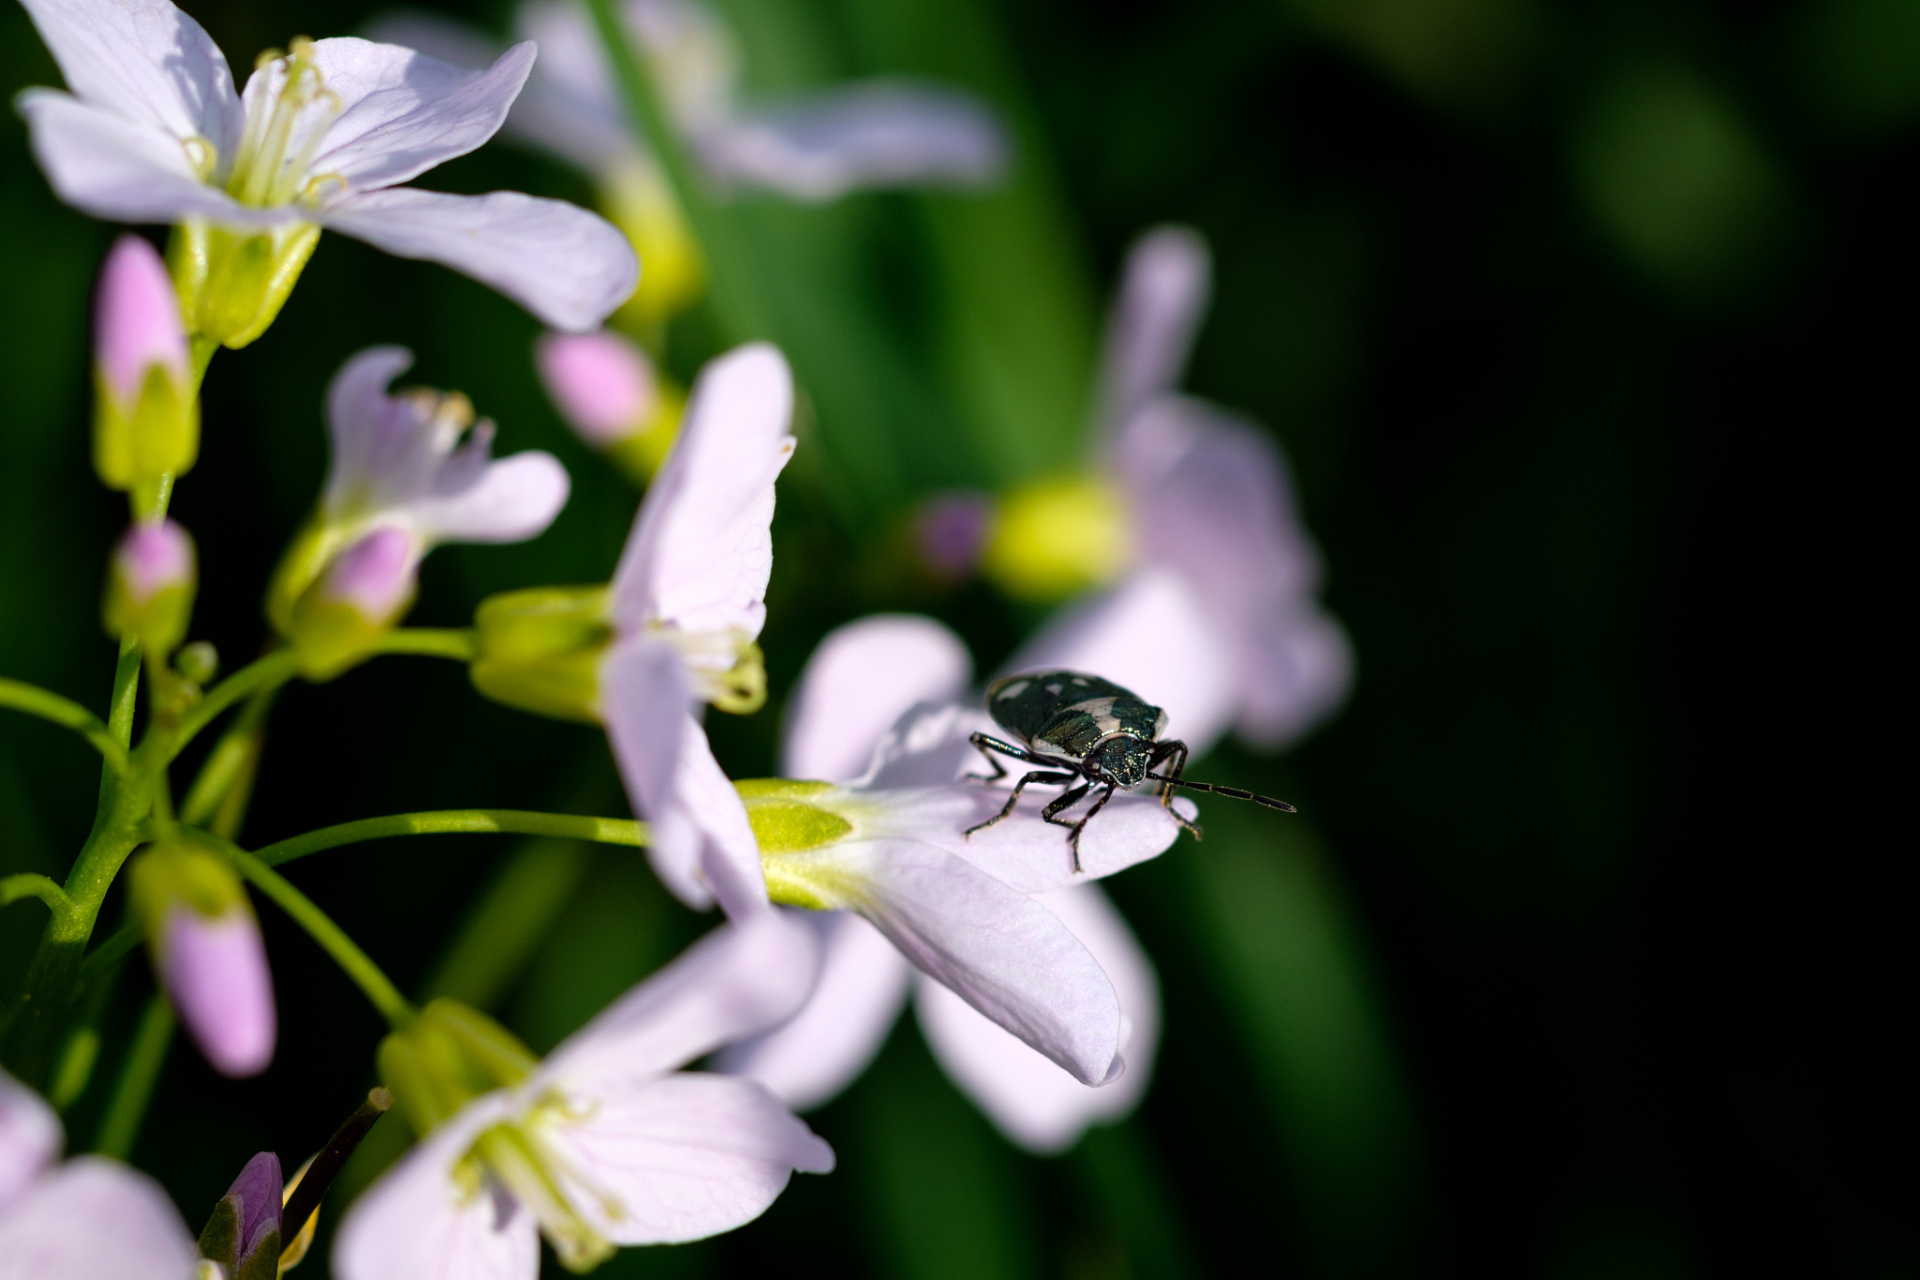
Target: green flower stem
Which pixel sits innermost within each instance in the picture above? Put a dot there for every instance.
(35, 701)
(33, 885)
(269, 672)
(623, 831)
(346, 953)
(459, 645)
(146, 1056)
(217, 799)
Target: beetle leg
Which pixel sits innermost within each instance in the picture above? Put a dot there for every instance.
(986, 745)
(1049, 779)
(1073, 839)
(1163, 751)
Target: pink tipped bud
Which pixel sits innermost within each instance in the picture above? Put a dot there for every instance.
(950, 532)
(375, 575)
(136, 320)
(602, 384)
(150, 585)
(215, 971)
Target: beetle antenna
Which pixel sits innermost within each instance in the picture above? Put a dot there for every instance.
(1232, 793)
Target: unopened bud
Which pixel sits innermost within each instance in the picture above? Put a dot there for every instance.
(243, 1235)
(198, 662)
(605, 387)
(449, 1055)
(540, 649)
(150, 585)
(146, 415)
(1057, 537)
(339, 619)
(206, 949)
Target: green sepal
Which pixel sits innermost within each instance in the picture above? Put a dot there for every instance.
(540, 649)
(450, 1055)
(166, 876)
(232, 284)
(330, 636)
(160, 621)
(785, 820)
(220, 1242)
(158, 434)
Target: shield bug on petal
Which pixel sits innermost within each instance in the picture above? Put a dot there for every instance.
(1089, 733)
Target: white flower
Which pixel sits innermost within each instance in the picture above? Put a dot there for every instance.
(1012, 945)
(605, 1143)
(878, 133)
(152, 131)
(688, 604)
(87, 1218)
(1215, 617)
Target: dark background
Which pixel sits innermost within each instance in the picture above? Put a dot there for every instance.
(1587, 330)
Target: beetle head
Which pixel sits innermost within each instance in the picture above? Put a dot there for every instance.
(1122, 758)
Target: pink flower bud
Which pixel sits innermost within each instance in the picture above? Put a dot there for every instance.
(136, 320)
(950, 532)
(215, 971)
(154, 556)
(375, 575)
(602, 384)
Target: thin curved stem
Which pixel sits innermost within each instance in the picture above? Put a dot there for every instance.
(431, 642)
(68, 714)
(346, 953)
(622, 831)
(275, 669)
(31, 884)
(138, 1076)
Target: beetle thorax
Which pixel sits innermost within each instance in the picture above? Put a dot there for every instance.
(1122, 758)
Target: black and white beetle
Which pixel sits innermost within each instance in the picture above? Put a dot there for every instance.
(1090, 731)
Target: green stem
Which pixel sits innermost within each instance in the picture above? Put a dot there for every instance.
(346, 953)
(66, 713)
(146, 1056)
(269, 672)
(30, 884)
(219, 792)
(623, 831)
(112, 951)
(460, 645)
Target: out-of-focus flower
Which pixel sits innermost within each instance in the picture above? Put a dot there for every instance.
(152, 131)
(206, 949)
(150, 585)
(602, 1144)
(146, 420)
(1186, 522)
(607, 389)
(873, 134)
(860, 678)
(400, 482)
(88, 1218)
(675, 629)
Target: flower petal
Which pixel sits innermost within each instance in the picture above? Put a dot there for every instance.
(1029, 1099)
(417, 1223)
(700, 843)
(995, 947)
(29, 1137)
(878, 134)
(683, 1157)
(736, 982)
(1162, 299)
(122, 169)
(570, 106)
(1150, 634)
(95, 1219)
(146, 61)
(825, 1047)
(568, 267)
(513, 499)
(862, 678)
(701, 551)
(401, 112)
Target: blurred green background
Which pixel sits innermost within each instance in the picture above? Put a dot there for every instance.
(1585, 327)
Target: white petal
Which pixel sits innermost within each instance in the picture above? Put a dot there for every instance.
(400, 112)
(685, 1156)
(570, 105)
(928, 747)
(122, 169)
(701, 552)
(569, 267)
(879, 134)
(1151, 634)
(415, 1224)
(1296, 672)
(29, 1137)
(1029, 1099)
(439, 36)
(700, 842)
(514, 499)
(381, 455)
(95, 1219)
(862, 678)
(825, 1047)
(143, 60)
(1162, 299)
(736, 982)
(997, 948)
